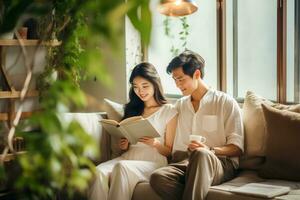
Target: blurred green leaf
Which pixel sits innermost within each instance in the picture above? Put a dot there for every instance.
(12, 11)
(140, 17)
(58, 153)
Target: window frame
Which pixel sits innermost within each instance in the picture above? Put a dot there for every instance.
(297, 52)
(281, 50)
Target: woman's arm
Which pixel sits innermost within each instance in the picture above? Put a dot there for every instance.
(164, 149)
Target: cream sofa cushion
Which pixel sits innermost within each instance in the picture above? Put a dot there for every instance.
(254, 124)
(114, 110)
(90, 124)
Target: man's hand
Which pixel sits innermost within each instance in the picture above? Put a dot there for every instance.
(123, 144)
(193, 145)
(149, 141)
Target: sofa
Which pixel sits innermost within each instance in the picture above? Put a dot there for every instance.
(272, 136)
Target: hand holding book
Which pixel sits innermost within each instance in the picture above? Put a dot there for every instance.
(149, 141)
(132, 128)
(123, 144)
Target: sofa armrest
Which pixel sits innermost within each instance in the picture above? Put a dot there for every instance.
(90, 123)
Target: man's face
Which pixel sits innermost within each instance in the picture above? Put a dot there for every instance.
(185, 83)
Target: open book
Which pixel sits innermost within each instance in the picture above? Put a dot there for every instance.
(131, 128)
(261, 190)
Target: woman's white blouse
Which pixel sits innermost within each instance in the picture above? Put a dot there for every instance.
(159, 121)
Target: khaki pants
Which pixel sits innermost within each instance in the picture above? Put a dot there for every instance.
(189, 177)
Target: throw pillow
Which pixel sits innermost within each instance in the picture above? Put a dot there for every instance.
(254, 122)
(114, 110)
(283, 141)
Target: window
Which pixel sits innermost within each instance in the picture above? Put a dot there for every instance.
(260, 53)
(293, 45)
(290, 50)
(297, 53)
(202, 39)
(251, 47)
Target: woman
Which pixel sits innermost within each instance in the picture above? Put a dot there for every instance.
(118, 177)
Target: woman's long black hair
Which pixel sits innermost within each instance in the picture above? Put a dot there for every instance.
(135, 106)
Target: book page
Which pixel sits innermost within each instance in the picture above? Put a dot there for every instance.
(109, 121)
(131, 119)
(113, 130)
(130, 139)
(138, 129)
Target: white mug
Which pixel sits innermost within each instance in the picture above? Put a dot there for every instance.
(197, 138)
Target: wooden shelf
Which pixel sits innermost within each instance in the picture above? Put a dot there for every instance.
(14, 42)
(11, 156)
(5, 116)
(17, 94)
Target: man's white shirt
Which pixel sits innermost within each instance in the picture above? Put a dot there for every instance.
(218, 119)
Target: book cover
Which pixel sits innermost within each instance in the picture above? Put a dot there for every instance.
(261, 190)
(131, 128)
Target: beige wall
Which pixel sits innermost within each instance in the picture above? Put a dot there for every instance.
(116, 90)
(118, 65)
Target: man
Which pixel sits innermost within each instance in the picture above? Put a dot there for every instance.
(195, 165)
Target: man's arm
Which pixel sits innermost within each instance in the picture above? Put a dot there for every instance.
(233, 126)
(230, 150)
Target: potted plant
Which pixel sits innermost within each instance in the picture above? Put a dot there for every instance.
(183, 34)
(55, 159)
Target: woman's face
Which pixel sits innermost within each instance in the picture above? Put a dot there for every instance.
(143, 88)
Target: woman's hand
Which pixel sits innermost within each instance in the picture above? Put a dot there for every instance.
(153, 142)
(123, 144)
(195, 144)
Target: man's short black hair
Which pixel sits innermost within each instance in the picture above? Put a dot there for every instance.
(189, 61)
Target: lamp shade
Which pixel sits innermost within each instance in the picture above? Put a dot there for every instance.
(177, 7)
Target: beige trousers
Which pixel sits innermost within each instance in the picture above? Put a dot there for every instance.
(190, 176)
(117, 178)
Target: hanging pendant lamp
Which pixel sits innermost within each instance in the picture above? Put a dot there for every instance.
(177, 8)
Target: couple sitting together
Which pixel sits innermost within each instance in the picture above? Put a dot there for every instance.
(194, 165)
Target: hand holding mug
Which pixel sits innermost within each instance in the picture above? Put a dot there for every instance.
(196, 141)
(197, 138)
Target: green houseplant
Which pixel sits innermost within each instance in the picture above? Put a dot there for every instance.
(55, 159)
(183, 34)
